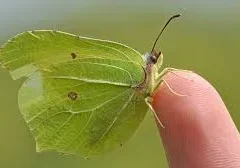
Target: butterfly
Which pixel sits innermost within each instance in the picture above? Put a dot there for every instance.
(81, 95)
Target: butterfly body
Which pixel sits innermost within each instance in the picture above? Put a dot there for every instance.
(153, 65)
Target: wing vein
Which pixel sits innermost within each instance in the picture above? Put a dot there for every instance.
(119, 51)
(115, 119)
(91, 80)
(112, 66)
(82, 130)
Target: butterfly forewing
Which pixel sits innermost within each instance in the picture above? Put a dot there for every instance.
(32, 50)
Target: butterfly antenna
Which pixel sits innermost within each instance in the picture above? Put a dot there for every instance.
(169, 20)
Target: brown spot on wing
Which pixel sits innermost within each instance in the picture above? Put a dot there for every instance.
(72, 95)
(73, 55)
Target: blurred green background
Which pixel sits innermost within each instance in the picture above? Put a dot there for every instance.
(206, 39)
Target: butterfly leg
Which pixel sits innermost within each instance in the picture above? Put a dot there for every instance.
(148, 101)
(171, 70)
(168, 86)
(159, 79)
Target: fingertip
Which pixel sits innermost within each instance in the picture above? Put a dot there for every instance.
(196, 126)
(195, 89)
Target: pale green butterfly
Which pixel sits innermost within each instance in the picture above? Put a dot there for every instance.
(81, 96)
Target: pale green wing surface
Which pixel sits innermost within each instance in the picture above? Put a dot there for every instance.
(28, 51)
(81, 94)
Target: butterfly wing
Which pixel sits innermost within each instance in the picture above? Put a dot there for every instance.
(80, 96)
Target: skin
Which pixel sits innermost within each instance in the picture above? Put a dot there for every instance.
(198, 130)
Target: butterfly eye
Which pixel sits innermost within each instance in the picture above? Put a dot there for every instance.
(153, 59)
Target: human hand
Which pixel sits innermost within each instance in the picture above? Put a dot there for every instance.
(198, 130)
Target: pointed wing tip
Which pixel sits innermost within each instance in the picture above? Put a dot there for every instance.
(39, 149)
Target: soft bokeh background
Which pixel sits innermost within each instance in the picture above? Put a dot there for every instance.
(206, 39)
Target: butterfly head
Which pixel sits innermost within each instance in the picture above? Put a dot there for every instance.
(153, 57)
